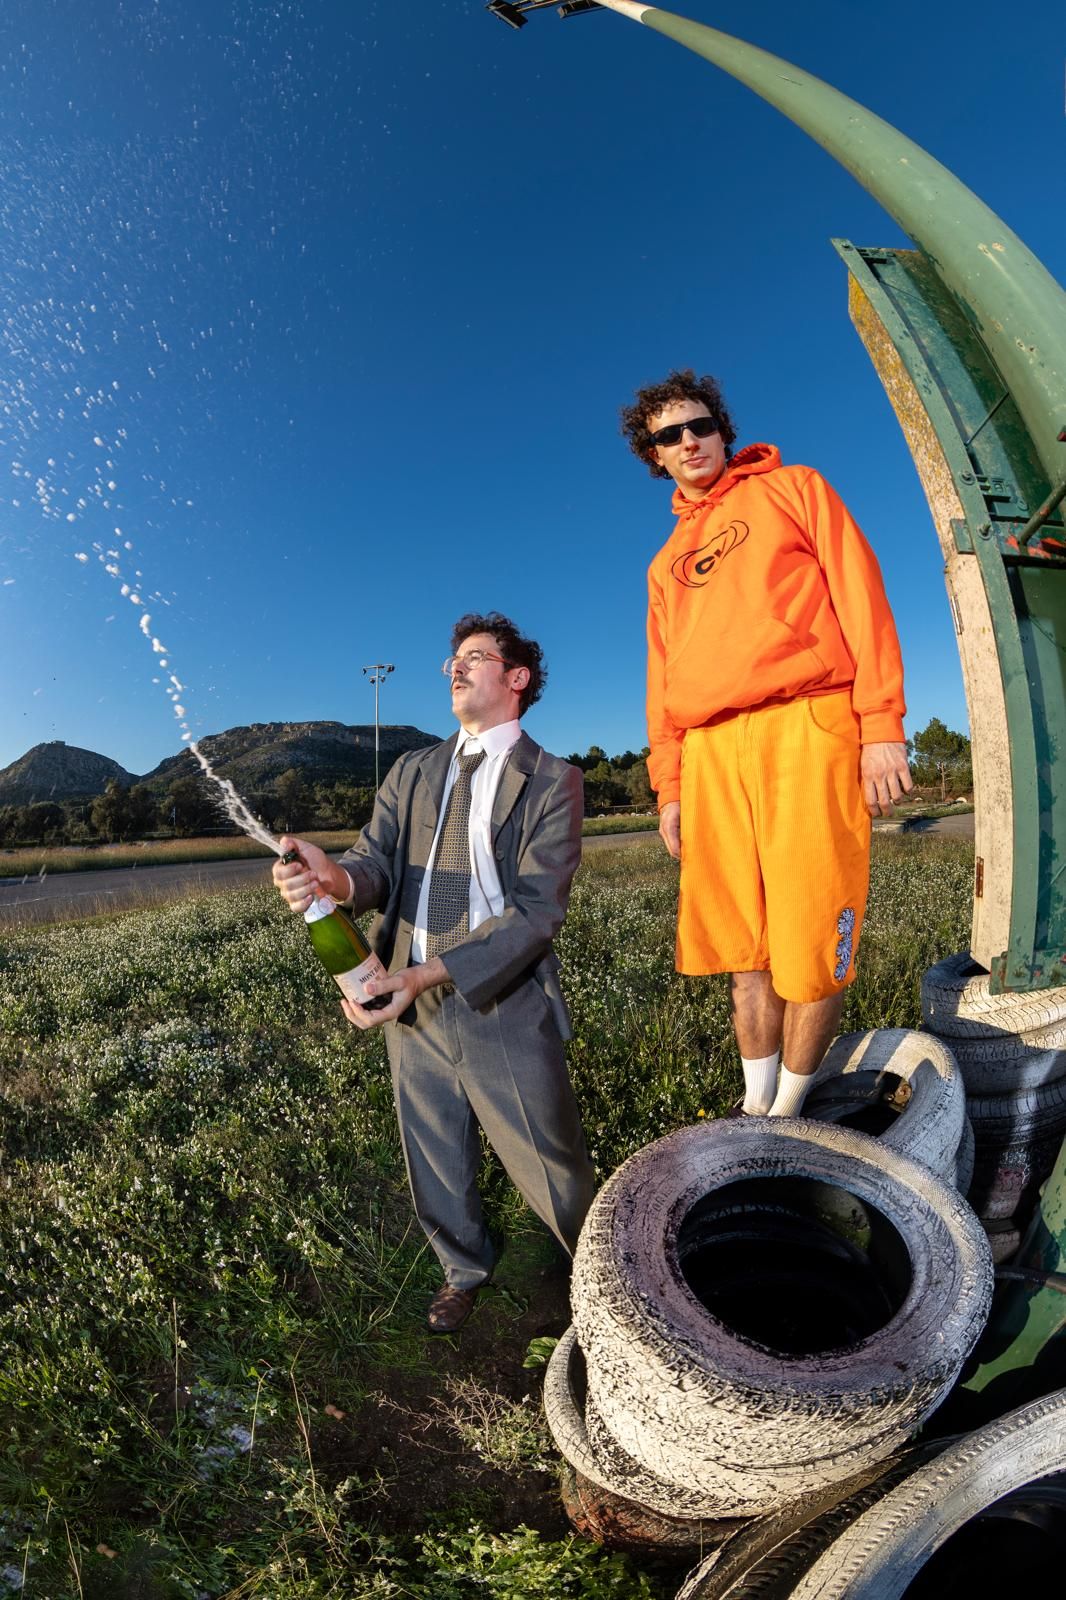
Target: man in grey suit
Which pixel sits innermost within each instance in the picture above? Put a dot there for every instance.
(468, 860)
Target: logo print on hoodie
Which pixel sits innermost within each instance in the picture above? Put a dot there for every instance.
(696, 566)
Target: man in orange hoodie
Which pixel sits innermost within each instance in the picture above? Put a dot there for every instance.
(775, 706)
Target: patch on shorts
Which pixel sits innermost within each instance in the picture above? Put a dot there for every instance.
(846, 930)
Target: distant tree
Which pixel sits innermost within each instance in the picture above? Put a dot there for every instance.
(639, 787)
(626, 760)
(604, 787)
(294, 801)
(188, 807)
(351, 804)
(111, 814)
(592, 758)
(43, 823)
(10, 824)
(143, 811)
(939, 755)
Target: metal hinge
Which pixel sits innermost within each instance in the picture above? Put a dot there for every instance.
(978, 878)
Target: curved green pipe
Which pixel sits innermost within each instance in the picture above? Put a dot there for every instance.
(1007, 294)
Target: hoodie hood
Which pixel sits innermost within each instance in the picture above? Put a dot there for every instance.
(747, 463)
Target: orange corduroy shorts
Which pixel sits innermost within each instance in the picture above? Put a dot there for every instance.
(775, 846)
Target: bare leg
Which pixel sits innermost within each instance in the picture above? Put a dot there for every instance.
(809, 1030)
(758, 1013)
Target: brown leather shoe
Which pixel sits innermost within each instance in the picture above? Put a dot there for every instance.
(450, 1308)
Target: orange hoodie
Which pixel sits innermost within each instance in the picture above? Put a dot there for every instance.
(766, 589)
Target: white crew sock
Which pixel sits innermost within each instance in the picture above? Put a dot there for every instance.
(791, 1093)
(760, 1084)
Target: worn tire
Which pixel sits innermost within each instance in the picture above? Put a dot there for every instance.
(930, 1125)
(1012, 1061)
(765, 1558)
(885, 1548)
(1017, 1139)
(1016, 1119)
(956, 1004)
(962, 1176)
(694, 1402)
(606, 1504)
(620, 1524)
(1004, 1240)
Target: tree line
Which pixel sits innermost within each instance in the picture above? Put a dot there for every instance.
(186, 809)
(941, 761)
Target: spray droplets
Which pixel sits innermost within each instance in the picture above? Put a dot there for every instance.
(232, 803)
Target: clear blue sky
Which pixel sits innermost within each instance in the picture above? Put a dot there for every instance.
(350, 295)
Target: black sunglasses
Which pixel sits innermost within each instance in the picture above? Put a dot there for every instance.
(699, 427)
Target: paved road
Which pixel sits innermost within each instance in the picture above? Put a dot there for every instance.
(85, 894)
(954, 827)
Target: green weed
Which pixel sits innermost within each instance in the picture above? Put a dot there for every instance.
(208, 1271)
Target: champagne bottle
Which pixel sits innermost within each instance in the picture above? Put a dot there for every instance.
(342, 949)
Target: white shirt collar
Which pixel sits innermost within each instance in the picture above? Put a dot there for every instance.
(494, 741)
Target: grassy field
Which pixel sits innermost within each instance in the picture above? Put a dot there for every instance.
(28, 862)
(214, 1380)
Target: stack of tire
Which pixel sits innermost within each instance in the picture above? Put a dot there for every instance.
(1011, 1051)
(764, 1309)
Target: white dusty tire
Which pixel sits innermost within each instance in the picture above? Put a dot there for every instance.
(884, 1549)
(1015, 1119)
(564, 1414)
(929, 1127)
(695, 1402)
(604, 1506)
(690, 1500)
(956, 1004)
(1012, 1062)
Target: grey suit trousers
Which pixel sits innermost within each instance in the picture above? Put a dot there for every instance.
(502, 1066)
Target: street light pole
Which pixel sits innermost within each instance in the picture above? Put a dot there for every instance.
(378, 671)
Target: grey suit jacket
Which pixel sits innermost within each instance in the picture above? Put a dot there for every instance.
(536, 835)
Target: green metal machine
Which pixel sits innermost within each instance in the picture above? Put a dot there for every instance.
(968, 334)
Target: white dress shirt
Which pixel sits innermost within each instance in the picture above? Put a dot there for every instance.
(486, 896)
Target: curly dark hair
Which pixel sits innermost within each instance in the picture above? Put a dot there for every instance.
(516, 650)
(682, 384)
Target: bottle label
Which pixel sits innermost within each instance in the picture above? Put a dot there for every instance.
(351, 983)
(319, 909)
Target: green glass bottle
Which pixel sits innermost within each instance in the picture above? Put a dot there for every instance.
(342, 949)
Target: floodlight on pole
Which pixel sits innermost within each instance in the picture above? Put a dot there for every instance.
(513, 11)
(377, 672)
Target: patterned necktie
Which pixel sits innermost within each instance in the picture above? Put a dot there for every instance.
(448, 915)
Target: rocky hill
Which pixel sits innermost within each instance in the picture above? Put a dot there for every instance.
(58, 771)
(253, 758)
(321, 752)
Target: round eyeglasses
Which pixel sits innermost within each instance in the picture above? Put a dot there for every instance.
(473, 658)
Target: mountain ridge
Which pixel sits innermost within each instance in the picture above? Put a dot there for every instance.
(252, 756)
